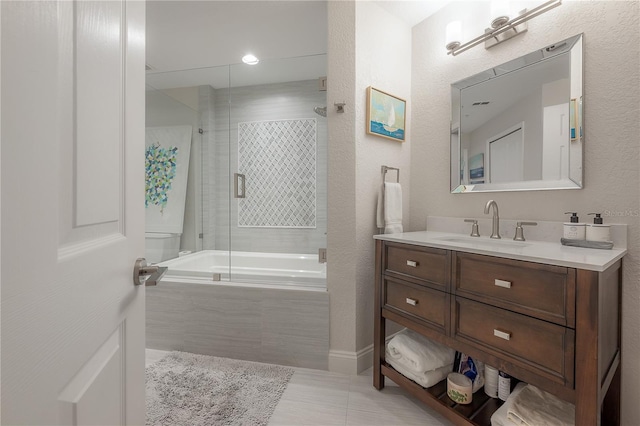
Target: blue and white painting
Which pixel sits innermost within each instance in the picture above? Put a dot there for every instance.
(386, 115)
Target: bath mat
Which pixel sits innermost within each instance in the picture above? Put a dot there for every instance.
(189, 389)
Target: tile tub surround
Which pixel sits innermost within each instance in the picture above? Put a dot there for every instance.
(287, 327)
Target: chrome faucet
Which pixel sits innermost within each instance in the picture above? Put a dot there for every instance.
(495, 229)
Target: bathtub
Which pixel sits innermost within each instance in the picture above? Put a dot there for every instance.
(274, 308)
(265, 269)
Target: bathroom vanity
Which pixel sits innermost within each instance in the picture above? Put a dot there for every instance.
(544, 313)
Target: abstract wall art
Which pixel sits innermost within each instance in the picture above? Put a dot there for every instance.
(167, 151)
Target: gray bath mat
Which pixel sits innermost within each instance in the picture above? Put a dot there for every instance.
(189, 389)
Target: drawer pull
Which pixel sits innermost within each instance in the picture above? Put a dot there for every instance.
(412, 302)
(501, 334)
(502, 283)
(412, 263)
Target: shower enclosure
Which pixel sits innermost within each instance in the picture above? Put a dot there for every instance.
(256, 194)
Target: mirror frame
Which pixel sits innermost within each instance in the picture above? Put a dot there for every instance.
(572, 46)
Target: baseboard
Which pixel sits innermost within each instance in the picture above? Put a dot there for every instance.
(346, 362)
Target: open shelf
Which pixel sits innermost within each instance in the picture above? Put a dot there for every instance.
(477, 413)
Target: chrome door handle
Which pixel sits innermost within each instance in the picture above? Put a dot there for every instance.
(239, 188)
(147, 274)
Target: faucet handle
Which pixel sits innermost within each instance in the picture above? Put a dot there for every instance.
(474, 227)
(520, 231)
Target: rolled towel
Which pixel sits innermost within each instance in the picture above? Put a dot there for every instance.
(417, 353)
(535, 407)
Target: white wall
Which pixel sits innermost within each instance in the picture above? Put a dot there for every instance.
(611, 116)
(367, 47)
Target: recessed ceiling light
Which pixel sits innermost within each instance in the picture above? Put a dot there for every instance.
(250, 59)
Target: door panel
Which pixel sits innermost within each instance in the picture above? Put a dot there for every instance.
(98, 32)
(72, 213)
(94, 395)
(505, 158)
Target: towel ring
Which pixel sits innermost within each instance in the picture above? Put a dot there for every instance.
(385, 169)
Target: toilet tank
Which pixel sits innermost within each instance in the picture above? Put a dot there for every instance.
(161, 246)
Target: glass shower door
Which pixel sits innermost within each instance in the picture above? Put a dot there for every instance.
(278, 165)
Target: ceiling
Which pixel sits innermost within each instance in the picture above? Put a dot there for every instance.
(192, 35)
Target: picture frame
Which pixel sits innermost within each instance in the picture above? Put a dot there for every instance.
(573, 118)
(386, 115)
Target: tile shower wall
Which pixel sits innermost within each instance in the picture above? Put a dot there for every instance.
(278, 159)
(271, 102)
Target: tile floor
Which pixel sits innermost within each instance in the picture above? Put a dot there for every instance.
(316, 397)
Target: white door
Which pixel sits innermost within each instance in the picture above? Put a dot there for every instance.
(505, 158)
(72, 212)
(555, 141)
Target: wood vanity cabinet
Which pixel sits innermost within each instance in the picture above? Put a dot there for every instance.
(555, 327)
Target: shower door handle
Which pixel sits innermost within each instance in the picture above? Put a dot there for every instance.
(239, 186)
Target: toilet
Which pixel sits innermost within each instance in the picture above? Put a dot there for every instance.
(161, 246)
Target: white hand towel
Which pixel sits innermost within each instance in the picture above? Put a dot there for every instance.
(380, 208)
(392, 208)
(535, 407)
(499, 417)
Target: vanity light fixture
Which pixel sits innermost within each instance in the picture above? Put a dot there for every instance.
(502, 27)
(250, 59)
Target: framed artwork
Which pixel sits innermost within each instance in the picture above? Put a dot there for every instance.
(573, 118)
(167, 151)
(476, 169)
(386, 115)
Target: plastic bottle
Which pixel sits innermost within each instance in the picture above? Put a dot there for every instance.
(504, 385)
(574, 230)
(598, 231)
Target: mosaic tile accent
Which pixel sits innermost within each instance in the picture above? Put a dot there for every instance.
(160, 169)
(278, 159)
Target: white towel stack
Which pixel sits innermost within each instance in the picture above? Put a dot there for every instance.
(389, 211)
(529, 406)
(422, 360)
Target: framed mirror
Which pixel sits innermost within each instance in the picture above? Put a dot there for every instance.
(518, 126)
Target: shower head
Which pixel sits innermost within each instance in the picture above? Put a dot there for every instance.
(322, 111)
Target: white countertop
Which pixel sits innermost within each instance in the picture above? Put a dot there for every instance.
(531, 251)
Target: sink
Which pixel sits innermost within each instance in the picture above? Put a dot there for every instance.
(484, 242)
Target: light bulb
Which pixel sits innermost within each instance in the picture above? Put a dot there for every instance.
(500, 13)
(250, 59)
(453, 33)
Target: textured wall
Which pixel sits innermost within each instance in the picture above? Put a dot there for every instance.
(367, 47)
(341, 208)
(383, 60)
(611, 116)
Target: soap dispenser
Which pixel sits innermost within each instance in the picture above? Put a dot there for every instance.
(574, 230)
(598, 231)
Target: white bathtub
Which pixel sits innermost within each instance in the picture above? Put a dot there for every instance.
(274, 308)
(270, 269)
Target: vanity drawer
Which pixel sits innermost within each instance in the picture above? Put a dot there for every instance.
(425, 264)
(539, 346)
(417, 302)
(542, 291)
